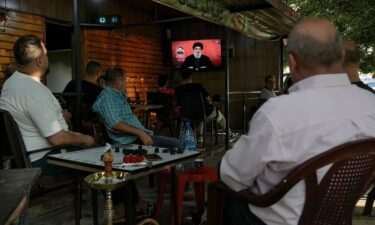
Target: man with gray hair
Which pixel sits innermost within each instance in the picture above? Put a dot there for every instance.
(116, 113)
(323, 110)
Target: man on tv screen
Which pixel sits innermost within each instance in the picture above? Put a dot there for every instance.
(197, 61)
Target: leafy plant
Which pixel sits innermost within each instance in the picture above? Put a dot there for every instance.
(354, 19)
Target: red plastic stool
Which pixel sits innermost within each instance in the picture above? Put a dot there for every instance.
(198, 177)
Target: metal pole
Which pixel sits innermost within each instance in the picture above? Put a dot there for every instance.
(243, 113)
(77, 59)
(281, 72)
(227, 88)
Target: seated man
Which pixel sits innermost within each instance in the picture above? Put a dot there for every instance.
(113, 107)
(165, 89)
(116, 113)
(322, 110)
(163, 85)
(32, 105)
(268, 90)
(90, 91)
(352, 61)
(189, 86)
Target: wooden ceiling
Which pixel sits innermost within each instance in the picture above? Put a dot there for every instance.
(263, 19)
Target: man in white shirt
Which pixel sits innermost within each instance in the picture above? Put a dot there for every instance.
(322, 110)
(268, 91)
(33, 106)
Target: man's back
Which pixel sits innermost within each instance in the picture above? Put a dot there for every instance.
(320, 113)
(24, 97)
(195, 88)
(90, 91)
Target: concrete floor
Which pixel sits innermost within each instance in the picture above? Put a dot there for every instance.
(57, 208)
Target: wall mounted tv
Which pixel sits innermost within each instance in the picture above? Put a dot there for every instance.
(197, 54)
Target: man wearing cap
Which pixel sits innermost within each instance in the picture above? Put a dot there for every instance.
(197, 61)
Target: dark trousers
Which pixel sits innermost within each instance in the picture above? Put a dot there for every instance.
(238, 213)
(127, 194)
(49, 169)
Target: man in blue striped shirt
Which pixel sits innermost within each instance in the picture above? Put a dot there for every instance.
(113, 107)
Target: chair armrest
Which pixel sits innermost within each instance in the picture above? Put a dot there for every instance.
(218, 192)
(67, 147)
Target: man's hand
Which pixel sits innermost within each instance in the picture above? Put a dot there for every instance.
(88, 140)
(145, 138)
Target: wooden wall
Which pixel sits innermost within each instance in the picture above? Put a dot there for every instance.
(57, 9)
(142, 50)
(11, 30)
(142, 58)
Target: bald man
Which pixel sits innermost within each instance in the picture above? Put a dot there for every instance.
(352, 61)
(322, 110)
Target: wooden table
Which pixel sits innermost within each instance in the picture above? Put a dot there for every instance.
(88, 160)
(15, 186)
(147, 108)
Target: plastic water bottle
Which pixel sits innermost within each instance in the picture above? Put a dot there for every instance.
(188, 142)
(187, 138)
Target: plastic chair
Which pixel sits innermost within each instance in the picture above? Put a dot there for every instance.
(331, 201)
(13, 146)
(198, 177)
(165, 114)
(369, 202)
(193, 109)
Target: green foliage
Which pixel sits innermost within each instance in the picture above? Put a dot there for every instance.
(354, 19)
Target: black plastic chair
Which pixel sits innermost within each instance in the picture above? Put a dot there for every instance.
(166, 113)
(193, 109)
(13, 148)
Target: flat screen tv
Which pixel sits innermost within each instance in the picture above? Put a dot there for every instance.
(197, 54)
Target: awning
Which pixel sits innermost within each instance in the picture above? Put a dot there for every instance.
(262, 19)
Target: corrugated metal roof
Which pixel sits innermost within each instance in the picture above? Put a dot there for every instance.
(264, 19)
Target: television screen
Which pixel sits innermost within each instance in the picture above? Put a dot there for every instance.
(197, 54)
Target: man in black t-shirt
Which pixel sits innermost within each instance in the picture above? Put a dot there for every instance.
(189, 86)
(90, 91)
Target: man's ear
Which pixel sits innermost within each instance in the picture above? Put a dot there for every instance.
(292, 63)
(293, 67)
(39, 61)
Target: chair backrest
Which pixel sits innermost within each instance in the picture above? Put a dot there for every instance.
(101, 130)
(192, 106)
(11, 141)
(330, 201)
(158, 98)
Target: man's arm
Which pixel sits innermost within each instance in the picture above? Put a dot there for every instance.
(251, 154)
(209, 100)
(50, 123)
(127, 129)
(64, 137)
